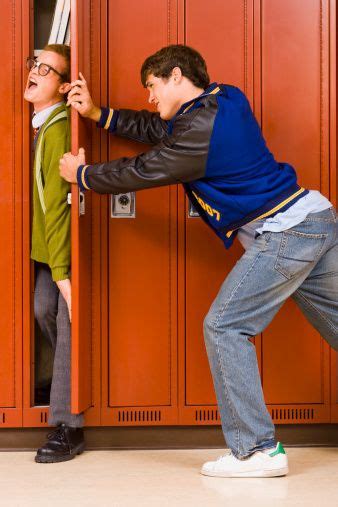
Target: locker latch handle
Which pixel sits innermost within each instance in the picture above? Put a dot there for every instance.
(82, 204)
(82, 207)
(192, 212)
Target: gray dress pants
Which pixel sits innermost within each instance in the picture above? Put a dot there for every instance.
(51, 313)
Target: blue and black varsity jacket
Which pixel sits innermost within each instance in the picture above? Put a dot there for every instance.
(214, 147)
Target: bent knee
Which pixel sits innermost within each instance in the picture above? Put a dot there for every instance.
(210, 326)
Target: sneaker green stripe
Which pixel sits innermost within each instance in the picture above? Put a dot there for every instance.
(279, 450)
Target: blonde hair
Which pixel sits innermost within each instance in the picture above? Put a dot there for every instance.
(63, 50)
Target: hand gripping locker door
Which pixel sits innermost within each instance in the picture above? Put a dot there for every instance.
(12, 34)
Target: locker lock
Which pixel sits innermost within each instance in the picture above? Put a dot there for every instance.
(124, 200)
(122, 205)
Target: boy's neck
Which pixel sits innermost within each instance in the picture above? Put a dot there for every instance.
(40, 107)
(190, 93)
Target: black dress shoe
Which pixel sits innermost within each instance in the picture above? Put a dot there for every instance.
(63, 444)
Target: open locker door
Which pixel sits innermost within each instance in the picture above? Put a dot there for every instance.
(81, 223)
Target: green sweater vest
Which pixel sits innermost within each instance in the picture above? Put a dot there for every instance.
(51, 230)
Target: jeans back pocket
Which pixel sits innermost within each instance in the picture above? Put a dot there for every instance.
(297, 251)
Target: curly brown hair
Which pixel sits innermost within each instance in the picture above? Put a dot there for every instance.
(190, 62)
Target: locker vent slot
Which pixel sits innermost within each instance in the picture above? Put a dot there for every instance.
(292, 414)
(139, 416)
(43, 417)
(3, 418)
(206, 415)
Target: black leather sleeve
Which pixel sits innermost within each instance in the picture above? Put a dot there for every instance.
(178, 158)
(141, 126)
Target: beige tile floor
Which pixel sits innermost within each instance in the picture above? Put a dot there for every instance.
(163, 478)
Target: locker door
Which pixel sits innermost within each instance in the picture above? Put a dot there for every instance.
(295, 74)
(10, 215)
(278, 53)
(81, 224)
(85, 55)
(139, 352)
(223, 34)
(334, 181)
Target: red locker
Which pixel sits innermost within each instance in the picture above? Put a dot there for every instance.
(85, 16)
(285, 72)
(11, 217)
(141, 286)
(296, 123)
(204, 262)
(139, 350)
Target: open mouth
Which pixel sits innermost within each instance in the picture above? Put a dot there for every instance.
(32, 84)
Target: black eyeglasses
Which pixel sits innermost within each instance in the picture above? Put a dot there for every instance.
(43, 68)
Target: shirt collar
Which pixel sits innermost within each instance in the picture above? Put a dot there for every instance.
(40, 117)
(210, 89)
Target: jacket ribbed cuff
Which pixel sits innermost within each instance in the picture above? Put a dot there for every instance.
(82, 178)
(60, 273)
(108, 119)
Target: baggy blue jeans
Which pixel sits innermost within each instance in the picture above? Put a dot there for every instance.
(301, 262)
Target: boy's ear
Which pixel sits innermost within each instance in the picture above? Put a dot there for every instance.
(64, 88)
(177, 74)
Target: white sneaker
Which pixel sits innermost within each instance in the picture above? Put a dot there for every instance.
(269, 463)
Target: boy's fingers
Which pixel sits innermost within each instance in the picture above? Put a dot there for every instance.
(82, 77)
(71, 94)
(75, 105)
(75, 90)
(82, 151)
(78, 82)
(74, 100)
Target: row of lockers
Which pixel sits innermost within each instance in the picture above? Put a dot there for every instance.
(143, 285)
